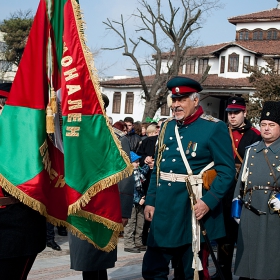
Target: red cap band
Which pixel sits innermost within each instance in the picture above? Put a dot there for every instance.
(4, 93)
(235, 106)
(183, 89)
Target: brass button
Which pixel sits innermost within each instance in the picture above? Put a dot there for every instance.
(268, 183)
(251, 164)
(253, 156)
(250, 173)
(265, 192)
(270, 174)
(250, 182)
(273, 164)
(236, 140)
(169, 184)
(276, 156)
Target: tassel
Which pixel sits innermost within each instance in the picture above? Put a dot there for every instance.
(49, 120)
(53, 101)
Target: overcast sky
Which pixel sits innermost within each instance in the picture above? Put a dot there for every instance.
(216, 28)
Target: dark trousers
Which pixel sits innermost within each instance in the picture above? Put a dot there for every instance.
(95, 275)
(156, 262)
(16, 268)
(50, 232)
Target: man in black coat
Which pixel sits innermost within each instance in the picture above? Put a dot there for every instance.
(242, 135)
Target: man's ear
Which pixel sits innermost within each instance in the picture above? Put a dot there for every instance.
(245, 113)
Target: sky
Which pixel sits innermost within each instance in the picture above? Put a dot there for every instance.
(216, 28)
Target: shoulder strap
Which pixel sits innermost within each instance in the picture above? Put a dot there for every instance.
(233, 146)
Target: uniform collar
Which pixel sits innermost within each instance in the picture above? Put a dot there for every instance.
(274, 147)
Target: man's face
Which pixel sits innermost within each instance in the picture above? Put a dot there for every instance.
(270, 131)
(236, 118)
(129, 126)
(184, 107)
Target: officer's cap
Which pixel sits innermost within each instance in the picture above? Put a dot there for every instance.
(5, 89)
(271, 111)
(235, 104)
(182, 86)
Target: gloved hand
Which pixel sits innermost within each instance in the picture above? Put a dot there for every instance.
(237, 220)
(274, 203)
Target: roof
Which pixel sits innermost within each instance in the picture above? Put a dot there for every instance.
(212, 81)
(263, 16)
(263, 47)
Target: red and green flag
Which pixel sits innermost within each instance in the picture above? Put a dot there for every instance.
(69, 175)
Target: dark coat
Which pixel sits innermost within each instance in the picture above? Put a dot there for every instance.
(22, 231)
(134, 140)
(258, 244)
(171, 224)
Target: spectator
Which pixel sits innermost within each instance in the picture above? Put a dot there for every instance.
(133, 138)
(133, 229)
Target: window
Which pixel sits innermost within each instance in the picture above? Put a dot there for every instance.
(116, 103)
(246, 61)
(258, 35)
(202, 65)
(277, 65)
(129, 100)
(2, 46)
(271, 34)
(190, 66)
(244, 35)
(233, 62)
(5, 66)
(165, 110)
(222, 66)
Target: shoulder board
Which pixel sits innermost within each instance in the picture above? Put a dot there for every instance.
(209, 118)
(168, 119)
(252, 145)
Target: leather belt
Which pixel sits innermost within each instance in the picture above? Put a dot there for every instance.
(255, 188)
(7, 200)
(173, 177)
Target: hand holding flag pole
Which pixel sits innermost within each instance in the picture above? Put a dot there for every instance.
(203, 230)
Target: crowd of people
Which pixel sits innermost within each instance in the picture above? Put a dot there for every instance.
(191, 172)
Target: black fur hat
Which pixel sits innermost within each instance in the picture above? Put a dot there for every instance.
(271, 111)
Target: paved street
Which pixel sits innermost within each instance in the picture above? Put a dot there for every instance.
(53, 265)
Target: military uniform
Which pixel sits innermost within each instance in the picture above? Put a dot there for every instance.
(171, 225)
(258, 244)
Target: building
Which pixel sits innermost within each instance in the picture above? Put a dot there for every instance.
(7, 71)
(257, 37)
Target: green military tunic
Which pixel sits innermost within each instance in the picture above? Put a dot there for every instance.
(258, 240)
(204, 140)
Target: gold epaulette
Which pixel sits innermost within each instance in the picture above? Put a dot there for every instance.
(209, 118)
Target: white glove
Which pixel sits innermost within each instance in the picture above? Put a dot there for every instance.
(275, 203)
(237, 220)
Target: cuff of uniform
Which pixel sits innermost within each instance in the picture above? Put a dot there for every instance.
(150, 200)
(210, 199)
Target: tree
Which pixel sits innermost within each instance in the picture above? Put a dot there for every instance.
(266, 82)
(169, 37)
(16, 30)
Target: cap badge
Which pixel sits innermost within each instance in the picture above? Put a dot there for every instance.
(233, 101)
(267, 114)
(177, 89)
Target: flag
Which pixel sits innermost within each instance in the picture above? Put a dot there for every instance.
(69, 176)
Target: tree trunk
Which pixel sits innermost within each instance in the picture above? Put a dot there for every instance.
(150, 109)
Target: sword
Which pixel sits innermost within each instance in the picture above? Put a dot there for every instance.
(204, 232)
(250, 207)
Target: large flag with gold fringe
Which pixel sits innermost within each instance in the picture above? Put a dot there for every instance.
(70, 175)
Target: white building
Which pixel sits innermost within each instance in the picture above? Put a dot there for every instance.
(257, 37)
(7, 72)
